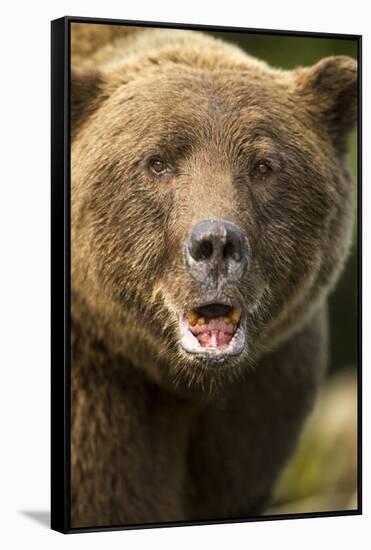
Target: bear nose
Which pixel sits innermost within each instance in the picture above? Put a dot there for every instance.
(215, 250)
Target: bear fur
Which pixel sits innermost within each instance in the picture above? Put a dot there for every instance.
(159, 435)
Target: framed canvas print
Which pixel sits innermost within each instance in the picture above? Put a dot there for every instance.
(205, 274)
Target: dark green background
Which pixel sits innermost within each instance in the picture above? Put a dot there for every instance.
(287, 52)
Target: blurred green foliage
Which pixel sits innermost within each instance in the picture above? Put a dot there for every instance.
(322, 475)
(287, 52)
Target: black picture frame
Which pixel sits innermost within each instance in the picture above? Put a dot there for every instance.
(60, 272)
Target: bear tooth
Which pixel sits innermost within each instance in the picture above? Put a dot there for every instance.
(201, 321)
(192, 317)
(227, 320)
(235, 315)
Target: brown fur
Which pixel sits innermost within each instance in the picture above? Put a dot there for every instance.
(158, 435)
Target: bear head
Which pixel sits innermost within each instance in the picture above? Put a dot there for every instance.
(211, 204)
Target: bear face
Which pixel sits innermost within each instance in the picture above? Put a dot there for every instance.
(210, 205)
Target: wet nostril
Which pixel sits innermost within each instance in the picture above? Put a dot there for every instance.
(229, 251)
(203, 251)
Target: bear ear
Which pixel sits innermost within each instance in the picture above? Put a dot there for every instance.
(86, 95)
(330, 90)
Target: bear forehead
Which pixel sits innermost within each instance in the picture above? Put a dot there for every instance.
(167, 98)
(214, 92)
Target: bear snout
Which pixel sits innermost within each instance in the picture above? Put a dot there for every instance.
(216, 252)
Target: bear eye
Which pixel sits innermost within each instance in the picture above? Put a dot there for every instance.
(262, 168)
(158, 167)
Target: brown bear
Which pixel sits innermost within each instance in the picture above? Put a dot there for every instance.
(211, 216)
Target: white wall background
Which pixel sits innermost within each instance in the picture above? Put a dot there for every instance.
(24, 271)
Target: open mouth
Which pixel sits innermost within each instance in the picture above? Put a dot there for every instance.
(213, 329)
